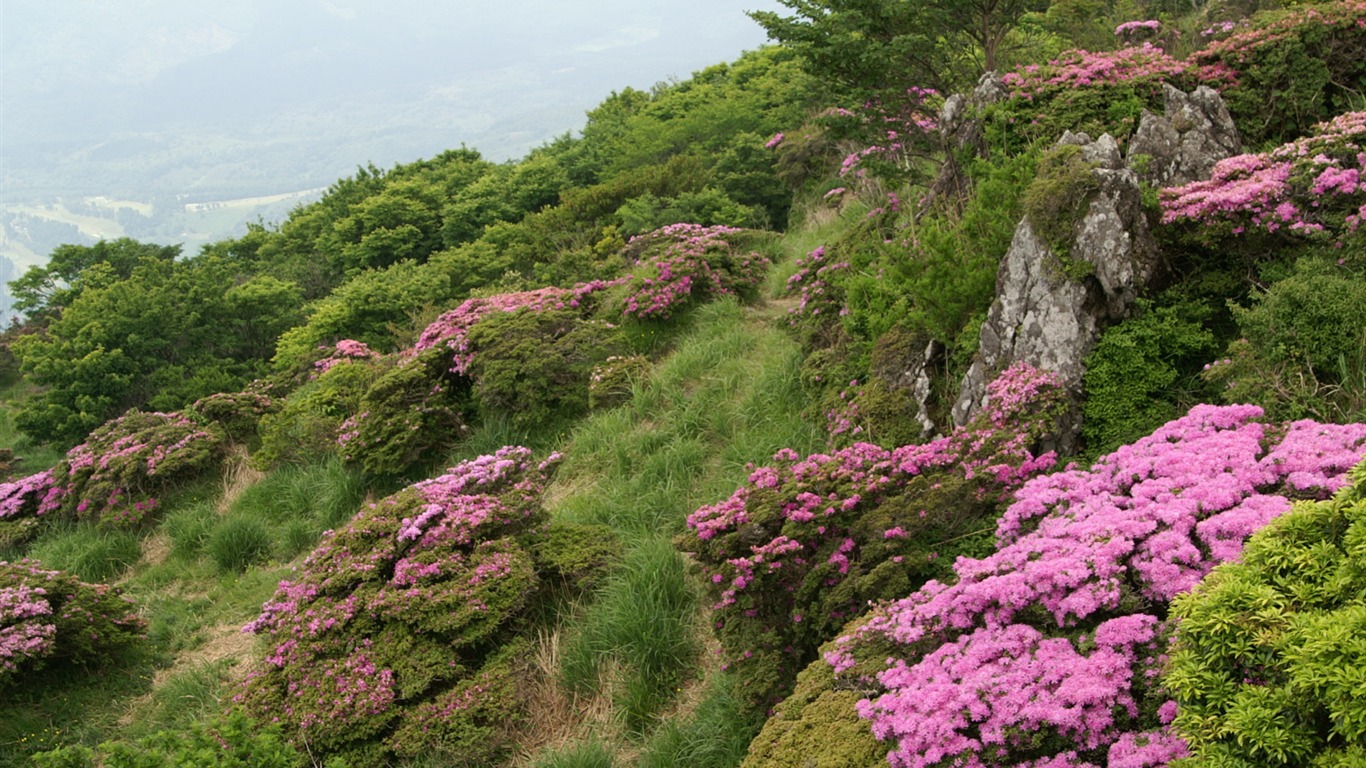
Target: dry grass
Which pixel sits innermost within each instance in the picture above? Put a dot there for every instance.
(238, 475)
(225, 641)
(557, 717)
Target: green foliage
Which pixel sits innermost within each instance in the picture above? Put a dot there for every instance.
(714, 735)
(1270, 652)
(578, 555)
(1292, 69)
(90, 553)
(535, 366)
(877, 47)
(707, 206)
(238, 541)
(365, 308)
(817, 726)
(591, 753)
(641, 619)
(1303, 351)
(1144, 372)
(166, 335)
(227, 741)
(53, 619)
(613, 381)
(237, 414)
(305, 426)
(407, 418)
(70, 268)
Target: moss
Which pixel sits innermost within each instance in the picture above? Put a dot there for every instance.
(1058, 197)
(817, 727)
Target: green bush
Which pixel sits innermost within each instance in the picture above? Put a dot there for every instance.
(1270, 652)
(1057, 199)
(408, 418)
(228, 741)
(535, 366)
(1303, 351)
(613, 381)
(304, 429)
(1144, 372)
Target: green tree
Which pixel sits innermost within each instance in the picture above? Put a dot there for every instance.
(875, 47)
(61, 280)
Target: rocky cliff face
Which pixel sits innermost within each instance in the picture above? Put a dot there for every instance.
(1047, 316)
(1182, 145)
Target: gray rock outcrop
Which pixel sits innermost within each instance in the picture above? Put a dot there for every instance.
(960, 129)
(1182, 145)
(1043, 316)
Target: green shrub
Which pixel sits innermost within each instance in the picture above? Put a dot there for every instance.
(1144, 372)
(1270, 652)
(228, 741)
(535, 366)
(304, 430)
(613, 380)
(237, 414)
(1303, 351)
(1057, 199)
(408, 418)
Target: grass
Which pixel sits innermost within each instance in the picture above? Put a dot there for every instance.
(91, 553)
(729, 394)
(591, 753)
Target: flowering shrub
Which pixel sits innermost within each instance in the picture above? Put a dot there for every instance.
(1046, 652)
(1144, 64)
(680, 264)
(1314, 186)
(346, 349)
(305, 426)
(23, 502)
(1267, 659)
(49, 616)
(115, 476)
(819, 296)
(900, 131)
(1311, 57)
(451, 330)
(227, 741)
(802, 547)
(399, 634)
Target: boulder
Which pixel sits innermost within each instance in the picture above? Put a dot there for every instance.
(960, 129)
(1182, 145)
(1050, 307)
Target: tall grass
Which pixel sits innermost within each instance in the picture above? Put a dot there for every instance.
(91, 553)
(728, 395)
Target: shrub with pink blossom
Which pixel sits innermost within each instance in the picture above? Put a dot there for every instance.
(679, 265)
(116, 476)
(1267, 660)
(801, 548)
(23, 503)
(1047, 651)
(49, 617)
(346, 349)
(1314, 187)
(399, 636)
(891, 134)
(1312, 58)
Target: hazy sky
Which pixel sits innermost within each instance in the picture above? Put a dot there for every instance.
(263, 96)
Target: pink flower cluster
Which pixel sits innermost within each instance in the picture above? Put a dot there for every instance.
(32, 496)
(1131, 27)
(424, 577)
(812, 282)
(1314, 185)
(1078, 69)
(897, 128)
(451, 329)
(680, 263)
(988, 664)
(783, 552)
(346, 349)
